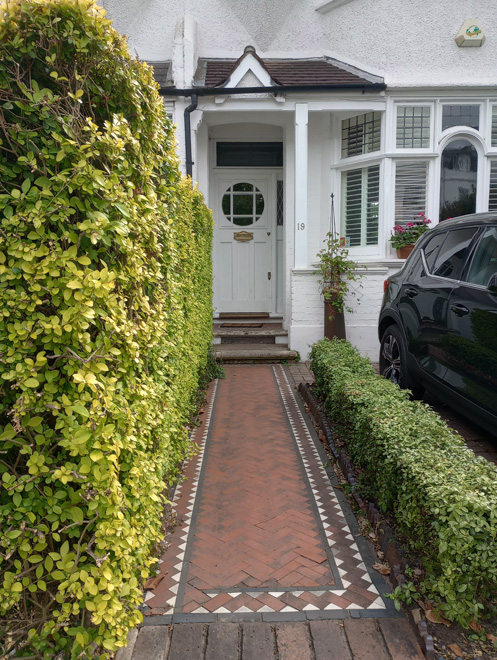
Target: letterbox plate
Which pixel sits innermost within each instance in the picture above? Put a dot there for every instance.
(243, 236)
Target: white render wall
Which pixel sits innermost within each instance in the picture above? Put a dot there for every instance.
(361, 326)
(410, 43)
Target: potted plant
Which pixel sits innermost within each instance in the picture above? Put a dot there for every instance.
(336, 271)
(405, 236)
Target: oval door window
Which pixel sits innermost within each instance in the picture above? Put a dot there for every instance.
(243, 204)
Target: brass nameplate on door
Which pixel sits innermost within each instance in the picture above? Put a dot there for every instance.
(243, 236)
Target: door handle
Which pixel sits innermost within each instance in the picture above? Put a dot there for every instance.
(459, 310)
(411, 293)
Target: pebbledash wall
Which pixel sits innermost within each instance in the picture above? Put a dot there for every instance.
(382, 154)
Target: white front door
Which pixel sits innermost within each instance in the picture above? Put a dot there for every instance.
(244, 205)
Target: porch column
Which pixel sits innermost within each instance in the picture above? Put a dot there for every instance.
(301, 121)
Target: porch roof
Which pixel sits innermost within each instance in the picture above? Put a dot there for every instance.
(213, 73)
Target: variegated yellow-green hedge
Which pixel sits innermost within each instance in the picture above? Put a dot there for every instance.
(105, 326)
(443, 497)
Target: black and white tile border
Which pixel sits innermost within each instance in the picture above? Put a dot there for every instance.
(299, 426)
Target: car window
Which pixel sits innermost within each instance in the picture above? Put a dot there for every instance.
(484, 263)
(450, 257)
(431, 249)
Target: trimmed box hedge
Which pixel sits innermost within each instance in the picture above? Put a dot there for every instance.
(105, 327)
(443, 497)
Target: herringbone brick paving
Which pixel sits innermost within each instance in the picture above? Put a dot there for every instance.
(261, 527)
(265, 554)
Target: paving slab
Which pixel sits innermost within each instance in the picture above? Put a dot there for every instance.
(400, 639)
(293, 642)
(223, 641)
(151, 643)
(329, 640)
(364, 641)
(258, 642)
(186, 642)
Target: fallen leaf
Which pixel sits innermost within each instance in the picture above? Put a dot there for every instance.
(380, 554)
(474, 625)
(372, 535)
(422, 605)
(381, 568)
(417, 572)
(490, 637)
(153, 582)
(436, 617)
(456, 649)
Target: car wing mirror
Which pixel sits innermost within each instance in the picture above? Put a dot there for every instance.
(492, 284)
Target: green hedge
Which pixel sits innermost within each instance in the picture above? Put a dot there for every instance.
(105, 326)
(442, 496)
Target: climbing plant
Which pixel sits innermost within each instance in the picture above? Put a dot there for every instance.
(105, 326)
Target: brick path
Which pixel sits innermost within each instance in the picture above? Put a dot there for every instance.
(266, 561)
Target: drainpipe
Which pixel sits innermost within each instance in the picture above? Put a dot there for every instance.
(188, 135)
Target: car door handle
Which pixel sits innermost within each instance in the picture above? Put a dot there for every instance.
(411, 293)
(459, 309)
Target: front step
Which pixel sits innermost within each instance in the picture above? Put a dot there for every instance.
(254, 353)
(251, 337)
(266, 334)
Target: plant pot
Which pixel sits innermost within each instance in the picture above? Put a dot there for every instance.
(334, 321)
(404, 252)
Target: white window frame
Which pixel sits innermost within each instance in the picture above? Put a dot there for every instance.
(483, 118)
(392, 127)
(366, 250)
(368, 154)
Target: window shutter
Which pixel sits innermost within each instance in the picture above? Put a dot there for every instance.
(361, 134)
(494, 126)
(492, 197)
(372, 201)
(410, 191)
(360, 195)
(353, 206)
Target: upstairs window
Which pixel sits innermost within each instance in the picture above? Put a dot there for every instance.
(361, 134)
(460, 115)
(413, 127)
(360, 204)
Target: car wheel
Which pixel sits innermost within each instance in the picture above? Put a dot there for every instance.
(393, 360)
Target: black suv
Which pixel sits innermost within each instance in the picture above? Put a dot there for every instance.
(438, 321)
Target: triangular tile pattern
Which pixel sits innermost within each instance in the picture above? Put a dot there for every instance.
(356, 592)
(168, 587)
(351, 567)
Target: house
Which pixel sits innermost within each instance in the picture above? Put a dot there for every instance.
(385, 107)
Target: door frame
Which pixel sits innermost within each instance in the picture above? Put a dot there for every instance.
(248, 173)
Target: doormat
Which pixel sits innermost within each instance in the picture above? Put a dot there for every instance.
(241, 325)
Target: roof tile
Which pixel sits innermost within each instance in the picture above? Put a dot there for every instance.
(284, 72)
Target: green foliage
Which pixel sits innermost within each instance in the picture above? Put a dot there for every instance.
(443, 497)
(336, 271)
(105, 326)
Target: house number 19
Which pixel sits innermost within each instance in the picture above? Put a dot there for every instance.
(301, 226)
